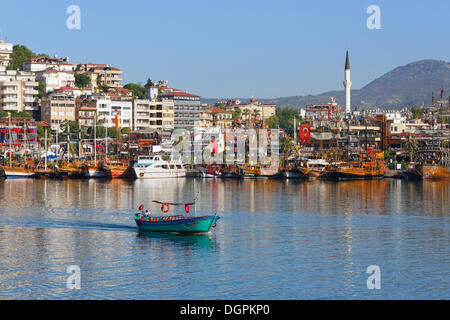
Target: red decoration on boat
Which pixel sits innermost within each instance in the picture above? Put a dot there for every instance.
(165, 205)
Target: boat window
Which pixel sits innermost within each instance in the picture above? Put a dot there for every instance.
(164, 166)
(172, 166)
(179, 166)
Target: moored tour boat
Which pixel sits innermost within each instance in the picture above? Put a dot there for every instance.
(259, 171)
(370, 166)
(120, 170)
(96, 170)
(18, 172)
(437, 170)
(180, 223)
(153, 167)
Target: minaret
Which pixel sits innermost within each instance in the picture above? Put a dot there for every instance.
(347, 85)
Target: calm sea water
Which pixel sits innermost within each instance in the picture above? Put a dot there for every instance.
(276, 240)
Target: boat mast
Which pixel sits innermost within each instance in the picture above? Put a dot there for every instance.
(10, 147)
(68, 141)
(295, 131)
(106, 144)
(45, 143)
(79, 142)
(95, 139)
(348, 142)
(25, 140)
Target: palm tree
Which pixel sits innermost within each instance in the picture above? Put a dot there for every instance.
(255, 114)
(246, 113)
(237, 114)
(286, 145)
(411, 145)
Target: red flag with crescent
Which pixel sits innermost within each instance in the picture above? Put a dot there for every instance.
(305, 130)
(214, 147)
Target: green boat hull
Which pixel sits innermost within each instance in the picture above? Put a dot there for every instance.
(188, 225)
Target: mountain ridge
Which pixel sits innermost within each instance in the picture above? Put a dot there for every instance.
(404, 86)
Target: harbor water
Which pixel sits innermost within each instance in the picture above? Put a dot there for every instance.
(275, 240)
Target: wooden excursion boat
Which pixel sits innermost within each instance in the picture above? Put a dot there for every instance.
(18, 172)
(181, 223)
(370, 166)
(120, 170)
(438, 168)
(259, 171)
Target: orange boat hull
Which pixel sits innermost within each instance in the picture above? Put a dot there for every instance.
(435, 172)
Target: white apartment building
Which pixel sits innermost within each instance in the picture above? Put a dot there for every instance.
(55, 72)
(108, 106)
(18, 90)
(157, 115)
(6, 49)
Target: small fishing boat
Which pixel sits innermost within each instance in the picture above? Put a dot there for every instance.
(179, 223)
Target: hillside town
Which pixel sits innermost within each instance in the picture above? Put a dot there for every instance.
(59, 118)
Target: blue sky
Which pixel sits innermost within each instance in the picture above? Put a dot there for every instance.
(231, 48)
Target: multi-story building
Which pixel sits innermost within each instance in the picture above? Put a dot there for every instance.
(6, 49)
(18, 90)
(263, 110)
(101, 74)
(220, 117)
(56, 108)
(206, 117)
(55, 72)
(186, 108)
(157, 115)
(121, 107)
(85, 111)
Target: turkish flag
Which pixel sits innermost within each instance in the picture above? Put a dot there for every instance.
(214, 147)
(305, 129)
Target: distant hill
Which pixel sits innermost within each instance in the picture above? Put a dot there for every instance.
(408, 85)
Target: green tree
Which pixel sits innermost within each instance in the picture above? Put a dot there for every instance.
(417, 112)
(125, 130)
(236, 114)
(138, 90)
(82, 80)
(255, 114)
(286, 145)
(273, 122)
(19, 55)
(67, 127)
(103, 88)
(246, 114)
(41, 89)
(149, 83)
(286, 119)
(411, 145)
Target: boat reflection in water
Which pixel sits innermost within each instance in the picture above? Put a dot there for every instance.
(170, 240)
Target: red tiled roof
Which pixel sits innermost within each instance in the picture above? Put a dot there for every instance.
(217, 110)
(180, 94)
